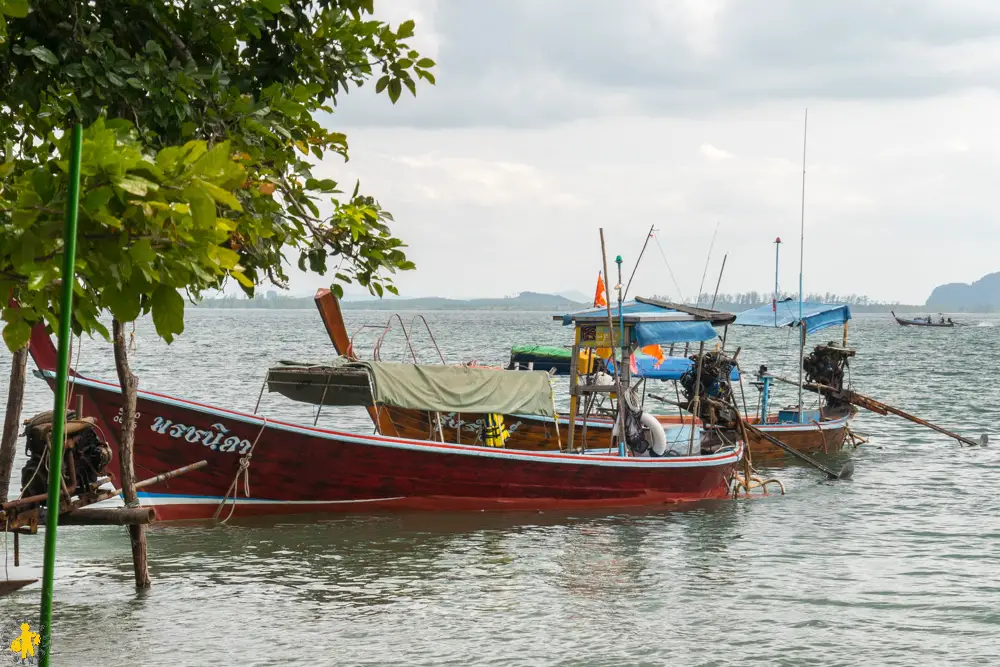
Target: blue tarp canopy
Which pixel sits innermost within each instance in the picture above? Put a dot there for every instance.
(672, 368)
(651, 324)
(817, 316)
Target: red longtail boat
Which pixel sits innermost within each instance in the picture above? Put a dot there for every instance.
(263, 466)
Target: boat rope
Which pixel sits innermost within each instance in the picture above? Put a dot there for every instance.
(680, 297)
(244, 471)
(822, 436)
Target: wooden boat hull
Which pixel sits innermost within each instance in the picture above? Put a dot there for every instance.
(917, 323)
(296, 469)
(539, 433)
(911, 323)
(826, 437)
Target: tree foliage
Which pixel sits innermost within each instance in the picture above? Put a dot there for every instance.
(148, 229)
(248, 82)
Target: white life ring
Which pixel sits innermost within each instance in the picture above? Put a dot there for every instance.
(654, 433)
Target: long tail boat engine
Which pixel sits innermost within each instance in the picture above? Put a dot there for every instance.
(85, 459)
(715, 392)
(826, 365)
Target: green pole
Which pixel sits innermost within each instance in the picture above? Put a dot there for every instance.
(59, 412)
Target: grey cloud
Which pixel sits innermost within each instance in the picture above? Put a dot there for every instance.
(537, 62)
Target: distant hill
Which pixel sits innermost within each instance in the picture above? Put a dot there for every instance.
(575, 295)
(523, 301)
(981, 296)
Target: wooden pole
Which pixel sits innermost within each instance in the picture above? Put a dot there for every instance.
(845, 333)
(611, 334)
(129, 384)
(12, 419)
(697, 395)
(573, 383)
(116, 516)
(869, 403)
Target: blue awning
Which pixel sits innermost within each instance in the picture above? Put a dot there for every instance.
(817, 316)
(651, 324)
(672, 368)
(668, 333)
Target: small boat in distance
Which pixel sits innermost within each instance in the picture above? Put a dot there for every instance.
(925, 321)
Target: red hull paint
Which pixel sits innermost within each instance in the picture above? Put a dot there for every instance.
(298, 469)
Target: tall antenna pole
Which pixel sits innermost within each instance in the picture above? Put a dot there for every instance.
(636, 267)
(708, 259)
(774, 301)
(802, 248)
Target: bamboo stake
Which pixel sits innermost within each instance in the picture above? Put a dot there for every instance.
(877, 406)
(126, 443)
(62, 371)
(12, 418)
(611, 334)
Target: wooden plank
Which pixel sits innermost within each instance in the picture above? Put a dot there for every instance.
(8, 586)
(717, 317)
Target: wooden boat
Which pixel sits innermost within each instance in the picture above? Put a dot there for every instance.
(818, 433)
(824, 429)
(927, 322)
(295, 469)
(527, 432)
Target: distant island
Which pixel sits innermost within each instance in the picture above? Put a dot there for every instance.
(525, 301)
(536, 301)
(982, 296)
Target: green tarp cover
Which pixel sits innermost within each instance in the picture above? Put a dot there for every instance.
(415, 386)
(461, 389)
(546, 351)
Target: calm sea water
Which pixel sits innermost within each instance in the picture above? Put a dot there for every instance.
(898, 566)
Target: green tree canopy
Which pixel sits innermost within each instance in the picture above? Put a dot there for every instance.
(246, 80)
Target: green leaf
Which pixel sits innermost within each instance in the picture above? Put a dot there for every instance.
(405, 29)
(124, 306)
(221, 196)
(273, 6)
(202, 207)
(97, 199)
(168, 312)
(241, 277)
(382, 83)
(141, 252)
(16, 8)
(412, 86)
(16, 334)
(395, 88)
(137, 185)
(44, 55)
(425, 63)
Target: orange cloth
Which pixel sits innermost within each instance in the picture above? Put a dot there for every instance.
(599, 298)
(656, 352)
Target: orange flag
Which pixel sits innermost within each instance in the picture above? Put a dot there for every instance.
(656, 352)
(599, 299)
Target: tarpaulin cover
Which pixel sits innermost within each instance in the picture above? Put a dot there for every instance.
(541, 352)
(415, 386)
(667, 333)
(461, 389)
(817, 316)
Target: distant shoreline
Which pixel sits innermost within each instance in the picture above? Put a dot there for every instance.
(533, 303)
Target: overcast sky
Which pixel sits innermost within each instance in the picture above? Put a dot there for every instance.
(552, 118)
